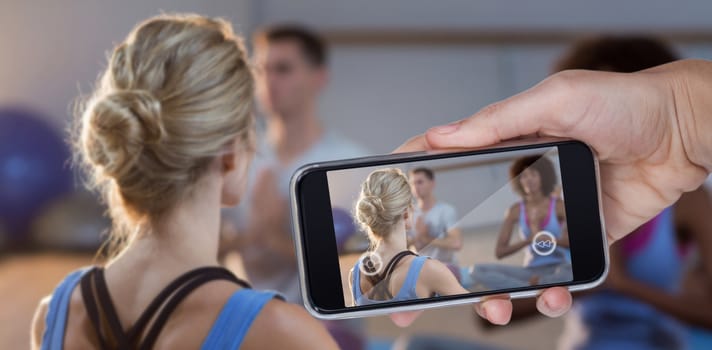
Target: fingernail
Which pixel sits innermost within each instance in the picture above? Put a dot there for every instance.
(553, 311)
(447, 129)
(544, 306)
(548, 307)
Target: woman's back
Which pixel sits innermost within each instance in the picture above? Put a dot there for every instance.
(201, 318)
(401, 283)
(218, 315)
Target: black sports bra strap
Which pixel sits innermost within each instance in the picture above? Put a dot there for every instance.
(89, 298)
(395, 260)
(160, 299)
(165, 303)
(181, 293)
(391, 265)
(107, 306)
(380, 282)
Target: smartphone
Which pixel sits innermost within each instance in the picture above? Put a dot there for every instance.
(412, 231)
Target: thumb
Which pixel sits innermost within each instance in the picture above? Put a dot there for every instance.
(404, 319)
(414, 144)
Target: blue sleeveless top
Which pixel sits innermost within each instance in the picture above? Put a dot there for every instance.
(560, 254)
(613, 320)
(228, 331)
(406, 292)
(652, 254)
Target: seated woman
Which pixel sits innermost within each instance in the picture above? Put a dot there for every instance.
(167, 138)
(535, 180)
(389, 271)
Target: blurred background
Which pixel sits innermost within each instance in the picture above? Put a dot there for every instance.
(396, 68)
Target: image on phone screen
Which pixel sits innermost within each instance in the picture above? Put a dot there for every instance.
(487, 222)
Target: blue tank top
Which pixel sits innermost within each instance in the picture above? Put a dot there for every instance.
(406, 292)
(613, 320)
(227, 332)
(552, 225)
(652, 254)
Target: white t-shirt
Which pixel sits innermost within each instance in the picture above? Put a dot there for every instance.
(441, 218)
(331, 146)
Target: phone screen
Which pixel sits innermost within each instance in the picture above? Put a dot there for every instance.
(484, 222)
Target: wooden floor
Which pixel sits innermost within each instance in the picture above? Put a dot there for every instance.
(24, 280)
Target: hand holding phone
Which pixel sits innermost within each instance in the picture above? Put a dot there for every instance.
(651, 151)
(457, 198)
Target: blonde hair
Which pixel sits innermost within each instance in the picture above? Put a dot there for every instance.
(177, 92)
(385, 196)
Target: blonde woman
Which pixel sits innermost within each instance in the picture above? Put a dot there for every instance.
(167, 138)
(389, 271)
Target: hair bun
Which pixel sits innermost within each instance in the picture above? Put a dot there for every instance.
(369, 208)
(145, 108)
(122, 123)
(376, 201)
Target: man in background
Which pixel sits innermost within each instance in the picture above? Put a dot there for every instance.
(291, 72)
(434, 231)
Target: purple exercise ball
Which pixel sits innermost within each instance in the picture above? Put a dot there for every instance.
(344, 226)
(33, 168)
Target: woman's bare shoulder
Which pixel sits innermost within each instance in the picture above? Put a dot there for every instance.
(513, 211)
(38, 322)
(281, 325)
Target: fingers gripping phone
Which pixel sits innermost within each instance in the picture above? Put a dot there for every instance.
(404, 232)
